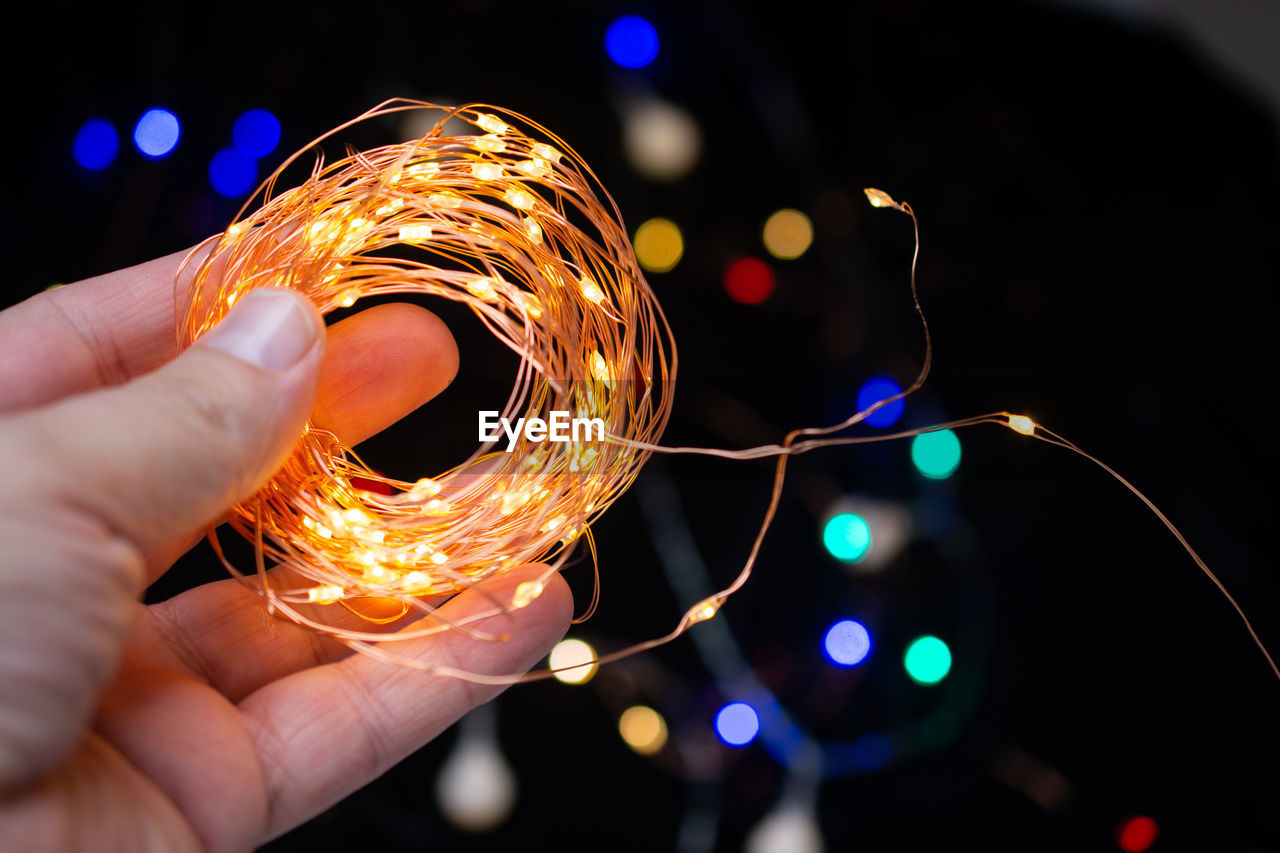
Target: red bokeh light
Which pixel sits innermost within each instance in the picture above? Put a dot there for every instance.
(1137, 833)
(749, 281)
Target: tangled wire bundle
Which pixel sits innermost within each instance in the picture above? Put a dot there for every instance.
(516, 228)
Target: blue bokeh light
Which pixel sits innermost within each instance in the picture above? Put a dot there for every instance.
(631, 41)
(879, 388)
(231, 173)
(737, 724)
(847, 643)
(256, 133)
(96, 144)
(157, 132)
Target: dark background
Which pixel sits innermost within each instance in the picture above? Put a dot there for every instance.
(1097, 200)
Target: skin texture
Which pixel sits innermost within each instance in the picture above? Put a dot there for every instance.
(201, 722)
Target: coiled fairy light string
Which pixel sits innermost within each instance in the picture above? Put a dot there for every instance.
(510, 221)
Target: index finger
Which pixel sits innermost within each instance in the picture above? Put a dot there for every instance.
(94, 333)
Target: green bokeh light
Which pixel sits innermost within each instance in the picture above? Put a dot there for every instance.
(936, 454)
(847, 537)
(928, 660)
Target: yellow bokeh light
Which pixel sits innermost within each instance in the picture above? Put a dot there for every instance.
(574, 661)
(788, 234)
(643, 729)
(659, 245)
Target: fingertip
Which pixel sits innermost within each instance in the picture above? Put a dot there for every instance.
(382, 364)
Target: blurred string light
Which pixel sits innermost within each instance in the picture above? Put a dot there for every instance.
(256, 133)
(574, 661)
(874, 390)
(847, 643)
(847, 536)
(157, 132)
(737, 724)
(232, 173)
(1137, 833)
(788, 234)
(659, 245)
(789, 828)
(476, 787)
(928, 660)
(631, 42)
(661, 140)
(749, 281)
(96, 144)
(936, 454)
(643, 729)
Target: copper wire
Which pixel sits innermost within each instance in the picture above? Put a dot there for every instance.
(511, 222)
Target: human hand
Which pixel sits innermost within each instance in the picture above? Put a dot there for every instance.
(202, 722)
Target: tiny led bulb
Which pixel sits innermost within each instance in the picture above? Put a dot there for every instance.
(378, 573)
(486, 171)
(546, 152)
(535, 168)
(879, 198)
(447, 200)
(324, 594)
(531, 304)
(319, 228)
(424, 488)
(482, 288)
(415, 580)
(491, 143)
(532, 229)
(1022, 424)
(414, 233)
(525, 594)
(519, 199)
(491, 123)
(356, 516)
(599, 368)
(422, 170)
(512, 501)
(703, 610)
(590, 290)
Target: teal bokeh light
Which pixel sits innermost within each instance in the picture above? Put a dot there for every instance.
(847, 537)
(936, 454)
(928, 660)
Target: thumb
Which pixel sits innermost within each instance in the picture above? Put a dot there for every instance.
(96, 485)
(167, 453)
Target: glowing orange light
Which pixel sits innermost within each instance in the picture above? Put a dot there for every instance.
(1022, 424)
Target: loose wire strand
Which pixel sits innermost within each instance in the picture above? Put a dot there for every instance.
(523, 233)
